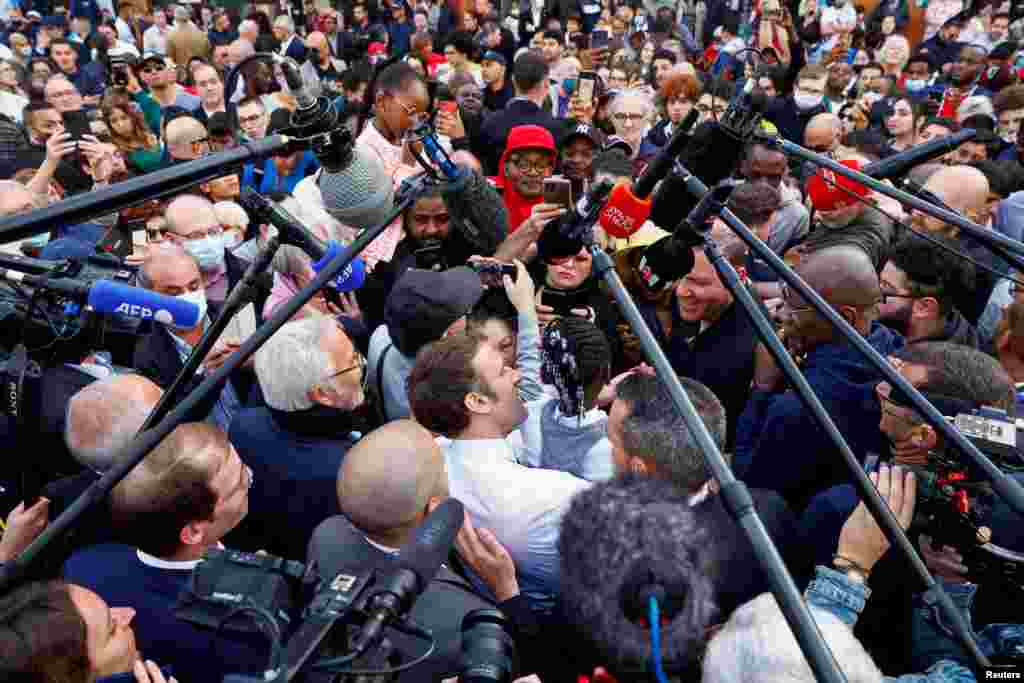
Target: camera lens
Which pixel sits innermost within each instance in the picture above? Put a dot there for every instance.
(488, 651)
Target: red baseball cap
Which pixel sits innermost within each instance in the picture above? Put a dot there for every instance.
(830, 191)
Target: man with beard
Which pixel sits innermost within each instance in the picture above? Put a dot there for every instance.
(434, 240)
(944, 46)
(840, 77)
(498, 88)
(917, 285)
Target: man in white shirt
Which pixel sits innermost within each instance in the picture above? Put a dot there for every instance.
(462, 388)
(155, 38)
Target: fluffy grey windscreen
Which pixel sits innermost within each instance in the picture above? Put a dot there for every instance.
(360, 195)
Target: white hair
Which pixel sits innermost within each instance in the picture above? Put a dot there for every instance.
(230, 213)
(248, 26)
(756, 645)
(100, 421)
(635, 93)
(285, 21)
(293, 362)
(308, 206)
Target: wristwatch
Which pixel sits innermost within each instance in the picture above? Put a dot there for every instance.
(853, 571)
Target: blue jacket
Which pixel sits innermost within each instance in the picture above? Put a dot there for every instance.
(845, 382)
(267, 179)
(295, 458)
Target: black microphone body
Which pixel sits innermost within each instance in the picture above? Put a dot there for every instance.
(898, 164)
(662, 163)
(418, 562)
(289, 229)
(565, 236)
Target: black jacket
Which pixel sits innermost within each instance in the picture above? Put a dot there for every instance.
(721, 358)
(791, 122)
(518, 112)
(337, 546)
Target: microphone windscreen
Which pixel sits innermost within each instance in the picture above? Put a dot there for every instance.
(712, 155)
(665, 261)
(360, 195)
(106, 296)
(558, 239)
(432, 541)
(477, 212)
(625, 213)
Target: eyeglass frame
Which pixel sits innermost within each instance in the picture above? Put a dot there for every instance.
(362, 364)
(216, 231)
(517, 161)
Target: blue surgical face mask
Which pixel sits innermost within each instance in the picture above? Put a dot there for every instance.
(569, 85)
(209, 251)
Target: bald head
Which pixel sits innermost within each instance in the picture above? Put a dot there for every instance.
(961, 187)
(842, 275)
(190, 213)
(387, 480)
(15, 198)
(823, 132)
(105, 416)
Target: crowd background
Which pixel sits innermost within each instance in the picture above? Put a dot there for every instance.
(527, 398)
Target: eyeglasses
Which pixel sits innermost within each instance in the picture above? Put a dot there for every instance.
(889, 294)
(534, 166)
(705, 109)
(216, 231)
(787, 297)
(360, 365)
(199, 145)
(622, 117)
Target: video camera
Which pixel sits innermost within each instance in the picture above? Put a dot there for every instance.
(954, 503)
(257, 593)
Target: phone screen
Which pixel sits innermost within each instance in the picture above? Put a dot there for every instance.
(586, 86)
(558, 191)
(599, 39)
(76, 123)
(561, 301)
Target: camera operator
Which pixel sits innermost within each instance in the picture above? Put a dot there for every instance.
(174, 506)
(757, 645)
(312, 379)
(386, 486)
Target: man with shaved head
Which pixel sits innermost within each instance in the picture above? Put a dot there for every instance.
(387, 485)
(765, 456)
(965, 190)
(822, 135)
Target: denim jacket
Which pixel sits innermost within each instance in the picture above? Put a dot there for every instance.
(934, 648)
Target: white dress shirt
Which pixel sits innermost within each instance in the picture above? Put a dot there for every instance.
(522, 506)
(155, 40)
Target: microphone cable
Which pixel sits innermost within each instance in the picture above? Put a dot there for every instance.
(655, 618)
(924, 235)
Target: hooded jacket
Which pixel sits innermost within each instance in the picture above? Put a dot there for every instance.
(522, 137)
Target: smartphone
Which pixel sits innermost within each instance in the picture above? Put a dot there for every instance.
(140, 239)
(492, 273)
(76, 123)
(599, 39)
(585, 86)
(563, 301)
(558, 190)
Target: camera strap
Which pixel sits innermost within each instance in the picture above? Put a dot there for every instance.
(17, 370)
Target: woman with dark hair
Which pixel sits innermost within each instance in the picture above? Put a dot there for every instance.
(569, 432)
(12, 77)
(39, 71)
(56, 632)
(131, 133)
(567, 287)
(901, 124)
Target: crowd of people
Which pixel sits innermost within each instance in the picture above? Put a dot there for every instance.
(524, 396)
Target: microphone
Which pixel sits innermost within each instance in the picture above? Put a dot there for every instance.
(108, 297)
(713, 154)
(348, 280)
(671, 258)
(418, 563)
(566, 235)
(898, 164)
(291, 231)
(629, 207)
(477, 210)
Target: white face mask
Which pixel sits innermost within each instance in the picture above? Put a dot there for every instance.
(209, 251)
(198, 298)
(915, 84)
(806, 100)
